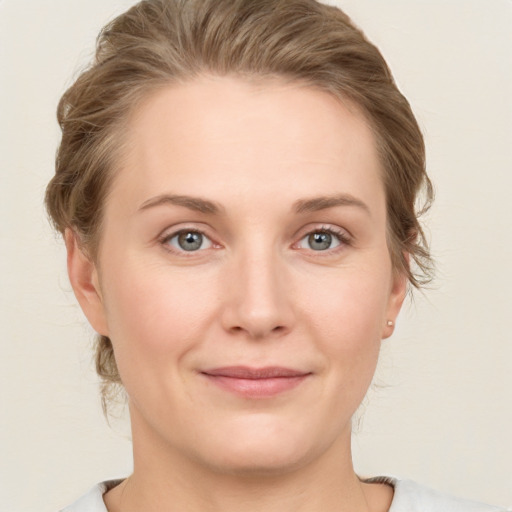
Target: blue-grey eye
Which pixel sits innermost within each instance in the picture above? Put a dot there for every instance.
(190, 241)
(320, 241)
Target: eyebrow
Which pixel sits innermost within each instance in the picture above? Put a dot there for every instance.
(323, 202)
(192, 203)
(206, 206)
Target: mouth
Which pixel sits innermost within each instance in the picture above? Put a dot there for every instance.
(251, 382)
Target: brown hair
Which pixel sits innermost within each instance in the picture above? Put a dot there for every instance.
(158, 42)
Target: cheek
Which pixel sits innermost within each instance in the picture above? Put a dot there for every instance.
(346, 316)
(349, 309)
(156, 311)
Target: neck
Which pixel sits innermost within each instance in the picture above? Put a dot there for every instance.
(166, 480)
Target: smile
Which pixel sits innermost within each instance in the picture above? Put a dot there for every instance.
(255, 382)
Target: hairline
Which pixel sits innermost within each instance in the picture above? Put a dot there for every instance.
(119, 130)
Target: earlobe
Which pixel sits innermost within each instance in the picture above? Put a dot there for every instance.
(83, 276)
(396, 299)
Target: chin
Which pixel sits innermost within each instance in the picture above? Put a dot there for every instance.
(263, 448)
(265, 461)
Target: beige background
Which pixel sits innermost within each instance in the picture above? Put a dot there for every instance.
(444, 416)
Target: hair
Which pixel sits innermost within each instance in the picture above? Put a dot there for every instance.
(161, 42)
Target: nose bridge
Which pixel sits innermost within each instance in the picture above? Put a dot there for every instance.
(259, 301)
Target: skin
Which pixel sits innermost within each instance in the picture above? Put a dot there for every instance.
(257, 293)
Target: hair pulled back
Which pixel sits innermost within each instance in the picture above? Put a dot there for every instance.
(161, 42)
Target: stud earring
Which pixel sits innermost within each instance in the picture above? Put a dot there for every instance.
(390, 323)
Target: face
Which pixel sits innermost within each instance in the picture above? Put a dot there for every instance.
(243, 273)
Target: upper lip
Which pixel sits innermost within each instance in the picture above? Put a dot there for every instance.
(247, 372)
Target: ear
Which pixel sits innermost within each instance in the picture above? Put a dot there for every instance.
(83, 276)
(396, 299)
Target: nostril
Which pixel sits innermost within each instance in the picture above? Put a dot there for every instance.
(258, 333)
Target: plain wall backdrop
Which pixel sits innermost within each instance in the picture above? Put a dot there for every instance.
(441, 412)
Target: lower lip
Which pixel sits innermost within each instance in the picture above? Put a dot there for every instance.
(256, 388)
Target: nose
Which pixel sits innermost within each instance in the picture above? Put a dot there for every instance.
(258, 297)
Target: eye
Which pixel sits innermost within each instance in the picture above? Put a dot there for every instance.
(188, 240)
(322, 240)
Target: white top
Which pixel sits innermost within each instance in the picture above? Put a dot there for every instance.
(409, 497)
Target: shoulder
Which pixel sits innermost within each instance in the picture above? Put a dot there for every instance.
(409, 497)
(93, 500)
(413, 497)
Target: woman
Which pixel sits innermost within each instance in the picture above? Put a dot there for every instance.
(236, 186)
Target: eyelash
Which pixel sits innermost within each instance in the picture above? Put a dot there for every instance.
(342, 237)
(166, 238)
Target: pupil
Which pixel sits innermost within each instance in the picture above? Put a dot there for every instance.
(320, 241)
(190, 241)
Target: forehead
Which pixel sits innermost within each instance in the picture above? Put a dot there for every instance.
(214, 136)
